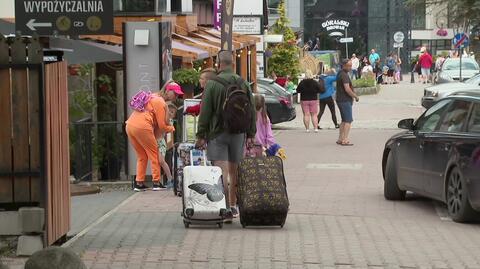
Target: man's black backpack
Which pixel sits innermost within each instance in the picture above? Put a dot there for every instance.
(237, 108)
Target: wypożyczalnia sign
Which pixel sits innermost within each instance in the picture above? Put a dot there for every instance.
(64, 17)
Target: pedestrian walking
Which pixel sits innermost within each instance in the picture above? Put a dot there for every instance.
(425, 61)
(374, 59)
(309, 90)
(144, 127)
(345, 97)
(355, 66)
(264, 137)
(227, 119)
(326, 98)
(390, 63)
(398, 69)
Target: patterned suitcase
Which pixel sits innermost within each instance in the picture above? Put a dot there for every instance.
(203, 196)
(262, 192)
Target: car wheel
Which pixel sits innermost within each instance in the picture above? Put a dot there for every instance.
(458, 205)
(391, 191)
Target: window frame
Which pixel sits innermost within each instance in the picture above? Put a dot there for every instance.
(470, 117)
(466, 121)
(448, 102)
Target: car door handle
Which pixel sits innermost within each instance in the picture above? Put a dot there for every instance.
(447, 147)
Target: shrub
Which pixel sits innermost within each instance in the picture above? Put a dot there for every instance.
(364, 82)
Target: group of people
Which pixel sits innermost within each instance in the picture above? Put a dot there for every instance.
(225, 149)
(315, 96)
(388, 72)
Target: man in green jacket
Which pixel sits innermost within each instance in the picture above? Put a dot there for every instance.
(224, 149)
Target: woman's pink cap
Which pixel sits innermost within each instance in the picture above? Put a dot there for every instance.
(174, 87)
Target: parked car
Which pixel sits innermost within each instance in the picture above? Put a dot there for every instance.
(436, 92)
(278, 101)
(450, 70)
(438, 156)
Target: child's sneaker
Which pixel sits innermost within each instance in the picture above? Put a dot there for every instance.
(139, 187)
(157, 186)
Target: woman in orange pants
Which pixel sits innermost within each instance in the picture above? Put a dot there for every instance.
(143, 129)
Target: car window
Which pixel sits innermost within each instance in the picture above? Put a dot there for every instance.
(474, 123)
(474, 80)
(274, 87)
(467, 64)
(455, 117)
(429, 121)
(263, 90)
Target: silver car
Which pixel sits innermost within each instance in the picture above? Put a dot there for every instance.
(450, 70)
(436, 92)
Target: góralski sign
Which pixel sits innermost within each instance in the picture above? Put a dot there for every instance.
(335, 27)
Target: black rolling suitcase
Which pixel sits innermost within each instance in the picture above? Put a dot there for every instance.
(262, 192)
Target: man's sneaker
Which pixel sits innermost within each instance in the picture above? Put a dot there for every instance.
(157, 186)
(234, 211)
(139, 187)
(228, 217)
(169, 184)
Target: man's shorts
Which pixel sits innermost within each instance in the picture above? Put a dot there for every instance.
(426, 71)
(226, 147)
(310, 107)
(346, 111)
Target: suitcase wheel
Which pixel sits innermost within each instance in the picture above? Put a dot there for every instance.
(220, 225)
(187, 225)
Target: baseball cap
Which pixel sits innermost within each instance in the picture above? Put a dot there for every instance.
(173, 86)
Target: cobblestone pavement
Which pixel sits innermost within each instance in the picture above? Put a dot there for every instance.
(338, 217)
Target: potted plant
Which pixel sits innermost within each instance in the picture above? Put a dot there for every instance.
(187, 78)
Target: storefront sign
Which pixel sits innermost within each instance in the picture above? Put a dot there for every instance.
(227, 21)
(247, 25)
(67, 17)
(335, 27)
(217, 14)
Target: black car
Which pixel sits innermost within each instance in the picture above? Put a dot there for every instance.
(439, 156)
(278, 101)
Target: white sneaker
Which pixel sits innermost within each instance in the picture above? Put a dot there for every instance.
(316, 130)
(308, 130)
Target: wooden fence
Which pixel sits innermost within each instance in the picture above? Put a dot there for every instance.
(34, 158)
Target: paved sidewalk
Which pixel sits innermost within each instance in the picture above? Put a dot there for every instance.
(338, 219)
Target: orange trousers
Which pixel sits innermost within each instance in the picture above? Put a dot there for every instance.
(145, 145)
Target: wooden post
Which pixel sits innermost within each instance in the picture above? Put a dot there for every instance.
(6, 182)
(20, 124)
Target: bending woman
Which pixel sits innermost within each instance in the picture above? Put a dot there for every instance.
(143, 130)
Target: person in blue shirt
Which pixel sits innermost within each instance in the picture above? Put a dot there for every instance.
(326, 98)
(374, 58)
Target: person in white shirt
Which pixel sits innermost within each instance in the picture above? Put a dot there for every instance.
(355, 66)
(367, 69)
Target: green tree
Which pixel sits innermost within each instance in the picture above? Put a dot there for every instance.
(285, 58)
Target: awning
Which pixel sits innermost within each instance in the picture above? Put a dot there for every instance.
(82, 52)
(7, 26)
(182, 50)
